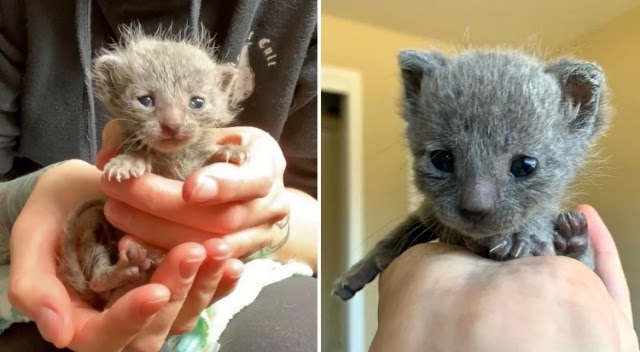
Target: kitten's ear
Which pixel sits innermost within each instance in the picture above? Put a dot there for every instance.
(415, 66)
(105, 68)
(583, 87)
(228, 75)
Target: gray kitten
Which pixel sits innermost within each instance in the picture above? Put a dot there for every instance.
(497, 137)
(169, 95)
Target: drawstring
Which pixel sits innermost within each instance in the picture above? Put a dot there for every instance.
(194, 15)
(83, 33)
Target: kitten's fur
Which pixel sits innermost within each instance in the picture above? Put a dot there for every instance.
(488, 108)
(171, 138)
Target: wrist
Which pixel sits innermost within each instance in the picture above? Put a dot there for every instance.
(295, 236)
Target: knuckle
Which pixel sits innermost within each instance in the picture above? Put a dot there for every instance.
(16, 290)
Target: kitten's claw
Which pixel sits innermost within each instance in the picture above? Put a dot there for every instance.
(500, 247)
(518, 245)
(571, 237)
(230, 153)
(521, 248)
(124, 166)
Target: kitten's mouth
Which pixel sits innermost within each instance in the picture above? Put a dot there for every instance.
(477, 229)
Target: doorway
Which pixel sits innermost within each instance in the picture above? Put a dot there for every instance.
(343, 327)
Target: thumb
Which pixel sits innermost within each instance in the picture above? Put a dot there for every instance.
(608, 265)
(111, 141)
(34, 288)
(42, 297)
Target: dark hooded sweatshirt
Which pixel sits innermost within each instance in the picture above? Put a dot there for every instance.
(47, 108)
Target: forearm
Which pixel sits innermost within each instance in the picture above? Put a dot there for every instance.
(296, 236)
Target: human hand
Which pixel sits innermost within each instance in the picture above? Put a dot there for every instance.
(62, 318)
(439, 297)
(238, 203)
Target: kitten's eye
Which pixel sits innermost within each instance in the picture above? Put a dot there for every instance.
(196, 103)
(442, 160)
(523, 166)
(146, 100)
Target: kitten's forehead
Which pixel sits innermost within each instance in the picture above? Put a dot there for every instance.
(504, 97)
(170, 63)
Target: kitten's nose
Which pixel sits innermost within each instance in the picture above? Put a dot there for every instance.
(477, 200)
(474, 215)
(170, 129)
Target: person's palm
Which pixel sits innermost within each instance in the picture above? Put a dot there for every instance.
(136, 319)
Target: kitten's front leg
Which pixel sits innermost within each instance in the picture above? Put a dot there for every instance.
(518, 245)
(125, 166)
(410, 232)
(228, 153)
(533, 239)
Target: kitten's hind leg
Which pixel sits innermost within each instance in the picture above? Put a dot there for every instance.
(571, 237)
(133, 262)
(410, 232)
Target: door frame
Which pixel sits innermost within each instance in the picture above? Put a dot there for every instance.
(348, 83)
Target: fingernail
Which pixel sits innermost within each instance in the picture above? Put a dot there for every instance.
(48, 321)
(189, 266)
(225, 249)
(206, 188)
(238, 266)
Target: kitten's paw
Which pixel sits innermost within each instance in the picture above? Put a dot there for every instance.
(230, 153)
(146, 259)
(571, 237)
(518, 245)
(123, 167)
(359, 275)
(509, 247)
(118, 276)
(134, 262)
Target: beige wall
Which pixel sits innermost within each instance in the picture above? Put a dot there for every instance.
(616, 195)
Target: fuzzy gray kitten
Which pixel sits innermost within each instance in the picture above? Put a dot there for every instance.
(497, 137)
(168, 95)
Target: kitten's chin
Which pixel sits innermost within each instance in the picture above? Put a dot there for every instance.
(170, 145)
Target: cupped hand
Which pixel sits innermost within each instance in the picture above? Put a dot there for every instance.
(238, 203)
(137, 319)
(439, 297)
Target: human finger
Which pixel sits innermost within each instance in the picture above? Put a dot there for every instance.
(176, 272)
(232, 271)
(608, 265)
(203, 287)
(111, 141)
(123, 321)
(226, 182)
(249, 241)
(162, 198)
